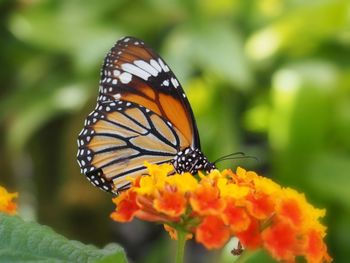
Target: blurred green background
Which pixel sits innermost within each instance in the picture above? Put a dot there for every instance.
(270, 78)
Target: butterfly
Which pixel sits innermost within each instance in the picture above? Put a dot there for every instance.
(142, 114)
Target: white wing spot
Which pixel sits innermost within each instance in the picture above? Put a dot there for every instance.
(116, 72)
(166, 82)
(117, 96)
(125, 77)
(164, 67)
(139, 72)
(114, 81)
(155, 65)
(147, 67)
(174, 82)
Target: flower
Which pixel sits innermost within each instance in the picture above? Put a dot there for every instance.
(214, 207)
(212, 232)
(6, 201)
(171, 203)
(280, 239)
(236, 217)
(205, 200)
(127, 207)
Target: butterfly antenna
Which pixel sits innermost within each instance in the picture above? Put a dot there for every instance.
(228, 155)
(238, 157)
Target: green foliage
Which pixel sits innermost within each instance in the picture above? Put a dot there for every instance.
(22, 241)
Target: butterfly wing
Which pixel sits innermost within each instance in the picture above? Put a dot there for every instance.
(134, 72)
(118, 137)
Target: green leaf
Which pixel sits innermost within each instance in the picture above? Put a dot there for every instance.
(22, 241)
(328, 176)
(214, 48)
(291, 34)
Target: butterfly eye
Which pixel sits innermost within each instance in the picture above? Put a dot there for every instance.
(142, 114)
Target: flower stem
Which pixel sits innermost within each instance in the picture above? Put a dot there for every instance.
(181, 241)
(244, 256)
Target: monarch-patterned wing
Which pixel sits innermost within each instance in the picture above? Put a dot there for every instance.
(134, 72)
(118, 137)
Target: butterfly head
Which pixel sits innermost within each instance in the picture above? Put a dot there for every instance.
(191, 160)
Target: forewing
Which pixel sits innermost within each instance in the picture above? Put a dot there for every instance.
(134, 72)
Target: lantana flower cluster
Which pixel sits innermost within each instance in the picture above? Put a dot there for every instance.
(219, 205)
(7, 204)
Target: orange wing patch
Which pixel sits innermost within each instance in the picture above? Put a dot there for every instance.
(175, 113)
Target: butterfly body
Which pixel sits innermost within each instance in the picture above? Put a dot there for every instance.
(191, 160)
(142, 114)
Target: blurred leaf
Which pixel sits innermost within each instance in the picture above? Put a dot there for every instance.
(261, 256)
(219, 48)
(300, 117)
(215, 48)
(257, 118)
(301, 29)
(29, 242)
(69, 29)
(301, 92)
(40, 109)
(219, 7)
(328, 176)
